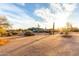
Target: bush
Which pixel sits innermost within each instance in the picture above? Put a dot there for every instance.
(9, 34)
(61, 32)
(14, 33)
(29, 33)
(67, 36)
(2, 31)
(50, 32)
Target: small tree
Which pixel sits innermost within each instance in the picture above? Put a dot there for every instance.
(66, 30)
(3, 25)
(2, 31)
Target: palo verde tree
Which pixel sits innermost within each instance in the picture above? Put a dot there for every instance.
(67, 29)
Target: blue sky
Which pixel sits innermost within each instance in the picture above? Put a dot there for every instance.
(25, 15)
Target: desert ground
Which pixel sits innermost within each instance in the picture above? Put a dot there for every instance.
(41, 45)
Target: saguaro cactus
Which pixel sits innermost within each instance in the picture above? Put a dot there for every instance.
(38, 27)
(53, 27)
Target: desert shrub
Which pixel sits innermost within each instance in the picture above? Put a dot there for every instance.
(67, 36)
(9, 34)
(50, 32)
(13, 32)
(65, 33)
(75, 29)
(2, 31)
(28, 33)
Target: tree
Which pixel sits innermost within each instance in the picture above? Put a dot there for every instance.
(67, 29)
(3, 25)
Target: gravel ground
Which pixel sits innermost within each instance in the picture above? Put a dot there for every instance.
(43, 45)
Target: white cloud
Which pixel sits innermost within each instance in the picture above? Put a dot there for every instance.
(23, 4)
(24, 21)
(57, 12)
(19, 20)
